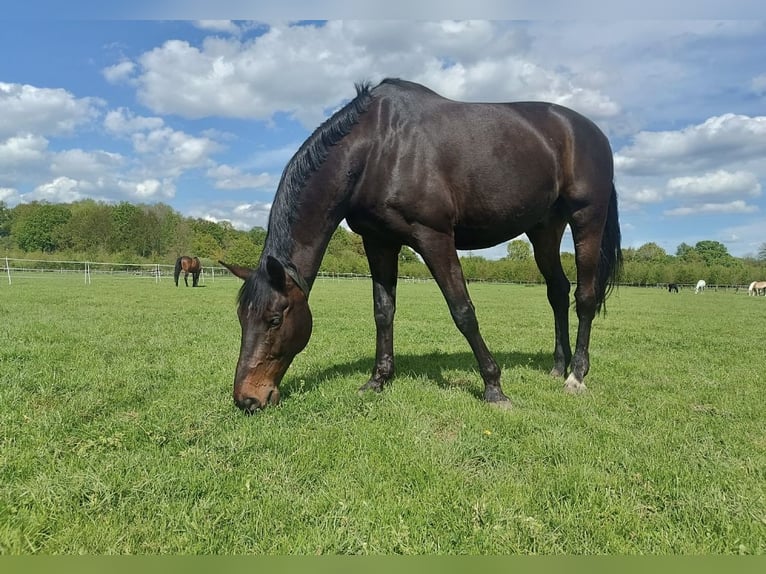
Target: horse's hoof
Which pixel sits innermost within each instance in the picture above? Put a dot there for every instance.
(495, 397)
(557, 373)
(505, 405)
(573, 386)
(371, 386)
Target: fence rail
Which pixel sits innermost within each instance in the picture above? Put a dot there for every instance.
(161, 271)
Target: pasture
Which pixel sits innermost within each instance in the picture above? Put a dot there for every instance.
(118, 433)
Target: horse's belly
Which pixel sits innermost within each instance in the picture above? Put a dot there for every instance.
(484, 226)
(481, 237)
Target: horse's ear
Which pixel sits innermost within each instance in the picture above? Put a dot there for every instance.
(237, 271)
(276, 273)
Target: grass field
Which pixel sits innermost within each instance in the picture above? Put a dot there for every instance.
(118, 433)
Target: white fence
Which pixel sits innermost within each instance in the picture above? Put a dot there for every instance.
(11, 267)
(43, 268)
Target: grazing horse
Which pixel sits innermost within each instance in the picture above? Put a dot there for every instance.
(672, 287)
(759, 287)
(405, 166)
(700, 286)
(188, 265)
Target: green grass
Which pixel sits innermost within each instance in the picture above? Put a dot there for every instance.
(118, 433)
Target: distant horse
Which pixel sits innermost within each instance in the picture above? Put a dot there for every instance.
(759, 287)
(188, 265)
(672, 287)
(700, 286)
(405, 166)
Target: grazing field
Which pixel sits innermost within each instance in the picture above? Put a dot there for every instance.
(118, 433)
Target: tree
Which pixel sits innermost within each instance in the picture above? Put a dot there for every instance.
(204, 245)
(211, 228)
(686, 252)
(762, 252)
(89, 229)
(713, 252)
(258, 236)
(407, 255)
(651, 252)
(519, 250)
(244, 252)
(5, 220)
(40, 228)
(168, 223)
(124, 218)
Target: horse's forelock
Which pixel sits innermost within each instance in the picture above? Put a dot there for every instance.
(255, 292)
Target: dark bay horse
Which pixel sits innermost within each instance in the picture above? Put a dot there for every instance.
(405, 166)
(188, 265)
(672, 287)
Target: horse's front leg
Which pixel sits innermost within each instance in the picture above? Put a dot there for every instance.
(438, 251)
(384, 263)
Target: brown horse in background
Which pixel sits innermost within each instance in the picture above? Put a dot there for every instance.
(405, 166)
(188, 265)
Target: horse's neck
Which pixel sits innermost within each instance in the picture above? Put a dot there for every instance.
(310, 228)
(307, 255)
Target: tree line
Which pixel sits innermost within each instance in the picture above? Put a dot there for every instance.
(156, 233)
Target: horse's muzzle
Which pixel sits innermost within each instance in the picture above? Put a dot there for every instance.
(251, 404)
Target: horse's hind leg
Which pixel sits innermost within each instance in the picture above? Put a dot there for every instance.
(587, 228)
(438, 251)
(546, 241)
(186, 278)
(384, 262)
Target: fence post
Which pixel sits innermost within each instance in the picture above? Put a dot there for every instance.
(8, 268)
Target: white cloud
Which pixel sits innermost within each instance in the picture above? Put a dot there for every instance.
(228, 177)
(631, 198)
(9, 195)
(306, 70)
(60, 190)
(171, 152)
(24, 149)
(715, 143)
(120, 72)
(225, 26)
(737, 206)
(242, 216)
(721, 183)
(81, 164)
(148, 189)
(124, 122)
(42, 111)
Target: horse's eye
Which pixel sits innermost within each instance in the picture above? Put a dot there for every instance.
(275, 321)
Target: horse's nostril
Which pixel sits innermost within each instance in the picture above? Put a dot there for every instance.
(249, 404)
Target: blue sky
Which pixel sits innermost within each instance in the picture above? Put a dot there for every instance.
(204, 114)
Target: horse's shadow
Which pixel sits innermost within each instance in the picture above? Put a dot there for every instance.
(432, 366)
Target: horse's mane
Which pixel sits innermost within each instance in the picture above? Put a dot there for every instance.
(309, 157)
(307, 160)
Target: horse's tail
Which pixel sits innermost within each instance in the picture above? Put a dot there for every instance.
(610, 260)
(177, 270)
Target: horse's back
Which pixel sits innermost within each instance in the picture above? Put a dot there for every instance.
(490, 171)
